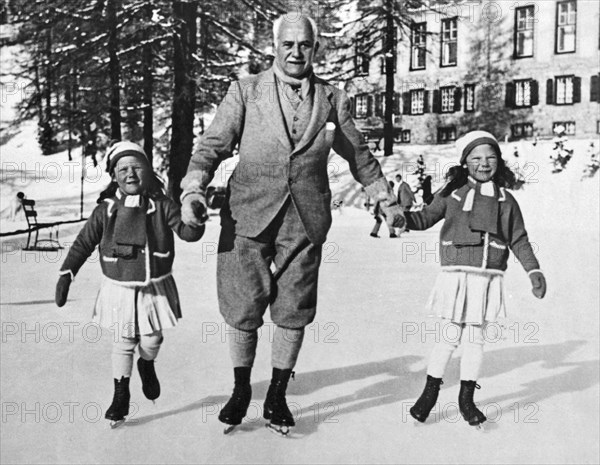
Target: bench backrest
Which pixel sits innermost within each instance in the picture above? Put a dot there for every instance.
(29, 209)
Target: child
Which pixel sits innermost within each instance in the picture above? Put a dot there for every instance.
(138, 298)
(482, 221)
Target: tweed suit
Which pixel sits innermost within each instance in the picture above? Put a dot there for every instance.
(279, 181)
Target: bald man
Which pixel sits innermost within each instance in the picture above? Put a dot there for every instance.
(285, 122)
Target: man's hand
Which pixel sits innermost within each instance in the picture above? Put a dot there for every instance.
(538, 284)
(394, 215)
(381, 191)
(62, 289)
(193, 209)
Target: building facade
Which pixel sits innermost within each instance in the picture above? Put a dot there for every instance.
(518, 69)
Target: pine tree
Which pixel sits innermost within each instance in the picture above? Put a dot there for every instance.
(368, 30)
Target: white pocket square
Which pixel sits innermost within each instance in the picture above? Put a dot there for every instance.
(330, 126)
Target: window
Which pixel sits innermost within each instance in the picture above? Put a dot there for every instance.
(568, 125)
(449, 42)
(405, 136)
(418, 45)
(447, 99)
(524, 20)
(447, 102)
(598, 127)
(361, 106)
(566, 24)
(521, 130)
(522, 93)
(380, 104)
(469, 97)
(446, 134)
(417, 102)
(361, 61)
(563, 90)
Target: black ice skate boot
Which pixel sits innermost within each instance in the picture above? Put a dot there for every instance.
(467, 407)
(420, 411)
(235, 409)
(275, 407)
(150, 384)
(120, 405)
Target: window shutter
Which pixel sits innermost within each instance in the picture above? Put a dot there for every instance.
(576, 89)
(509, 98)
(550, 92)
(379, 104)
(369, 105)
(426, 102)
(437, 103)
(396, 109)
(595, 88)
(406, 103)
(353, 106)
(457, 98)
(535, 92)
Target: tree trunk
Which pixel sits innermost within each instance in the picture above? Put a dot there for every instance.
(113, 69)
(388, 125)
(148, 80)
(184, 98)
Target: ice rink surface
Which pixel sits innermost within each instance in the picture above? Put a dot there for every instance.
(362, 364)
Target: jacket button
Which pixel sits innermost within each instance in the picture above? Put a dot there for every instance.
(290, 180)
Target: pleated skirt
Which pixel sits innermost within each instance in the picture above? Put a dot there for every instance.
(137, 310)
(468, 297)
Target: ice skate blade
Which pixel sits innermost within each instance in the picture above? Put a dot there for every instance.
(229, 429)
(480, 428)
(114, 424)
(282, 431)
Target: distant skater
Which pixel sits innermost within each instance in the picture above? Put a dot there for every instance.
(133, 226)
(482, 222)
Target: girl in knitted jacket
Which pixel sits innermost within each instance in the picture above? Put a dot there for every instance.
(133, 226)
(482, 222)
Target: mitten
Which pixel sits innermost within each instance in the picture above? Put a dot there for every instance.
(193, 209)
(62, 289)
(538, 284)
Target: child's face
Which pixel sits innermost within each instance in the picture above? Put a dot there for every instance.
(131, 175)
(482, 163)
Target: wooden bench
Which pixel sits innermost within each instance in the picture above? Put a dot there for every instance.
(34, 227)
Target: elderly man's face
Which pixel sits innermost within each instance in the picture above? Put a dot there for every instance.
(295, 47)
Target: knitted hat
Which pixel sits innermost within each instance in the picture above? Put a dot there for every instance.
(124, 149)
(472, 139)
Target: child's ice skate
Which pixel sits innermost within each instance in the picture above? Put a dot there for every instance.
(420, 411)
(150, 384)
(467, 407)
(235, 409)
(275, 407)
(119, 408)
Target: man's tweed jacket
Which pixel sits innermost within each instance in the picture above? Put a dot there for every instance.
(270, 168)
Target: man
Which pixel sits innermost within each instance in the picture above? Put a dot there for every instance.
(285, 121)
(406, 198)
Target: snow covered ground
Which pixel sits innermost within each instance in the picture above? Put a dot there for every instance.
(362, 365)
(364, 359)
